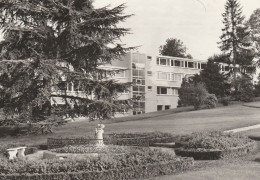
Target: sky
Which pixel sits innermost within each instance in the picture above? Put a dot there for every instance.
(197, 23)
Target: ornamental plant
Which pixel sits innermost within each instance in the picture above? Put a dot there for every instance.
(50, 45)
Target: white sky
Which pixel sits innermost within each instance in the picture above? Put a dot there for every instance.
(197, 23)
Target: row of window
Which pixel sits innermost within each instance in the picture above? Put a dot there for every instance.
(179, 63)
(170, 76)
(167, 91)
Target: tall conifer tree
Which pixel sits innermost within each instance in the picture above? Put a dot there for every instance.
(49, 44)
(235, 34)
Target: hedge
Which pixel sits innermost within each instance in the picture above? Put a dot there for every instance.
(126, 139)
(207, 154)
(135, 172)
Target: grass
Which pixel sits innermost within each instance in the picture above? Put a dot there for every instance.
(221, 118)
(238, 169)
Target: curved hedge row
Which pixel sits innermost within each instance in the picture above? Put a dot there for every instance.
(211, 154)
(126, 139)
(134, 172)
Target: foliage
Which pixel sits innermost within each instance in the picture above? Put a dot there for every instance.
(215, 145)
(91, 149)
(257, 89)
(211, 101)
(214, 140)
(135, 157)
(215, 81)
(243, 89)
(124, 139)
(192, 93)
(254, 24)
(235, 39)
(49, 45)
(174, 47)
(225, 100)
(220, 58)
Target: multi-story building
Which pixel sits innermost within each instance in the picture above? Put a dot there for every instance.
(156, 79)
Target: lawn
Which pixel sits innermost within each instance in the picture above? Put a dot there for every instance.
(221, 118)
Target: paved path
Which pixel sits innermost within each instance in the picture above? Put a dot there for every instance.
(253, 104)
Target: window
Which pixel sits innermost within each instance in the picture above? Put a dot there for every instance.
(167, 107)
(158, 61)
(178, 77)
(159, 107)
(203, 66)
(172, 62)
(177, 63)
(163, 62)
(121, 74)
(162, 75)
(167, 91)
(190, 65)
(182, 63)
(162, 90)
(149, 88)
(149, 73)
(149, 57)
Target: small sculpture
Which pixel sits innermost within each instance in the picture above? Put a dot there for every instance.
(99, 134)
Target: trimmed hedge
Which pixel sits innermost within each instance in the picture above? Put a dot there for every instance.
(125, 139)
(138, 163)
(135, 172)
(212, 154)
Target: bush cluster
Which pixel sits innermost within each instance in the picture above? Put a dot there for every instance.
(216, 140)
(214, 145)
(91, 149)
(135, 157)
(126, 139)
(211, 101)
(134, 172)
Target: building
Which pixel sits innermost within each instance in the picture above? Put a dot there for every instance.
(156, 79)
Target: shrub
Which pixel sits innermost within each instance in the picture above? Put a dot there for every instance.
(225, 100)
(192, 93)
(214, 145)
(91, 149)
(125, 139)
(211, 101)
(214, 140)
(243, 89)
(133, 158)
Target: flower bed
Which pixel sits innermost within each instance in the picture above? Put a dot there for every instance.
(91, 149)
(214, 145)
(137, 163)
(126, 139)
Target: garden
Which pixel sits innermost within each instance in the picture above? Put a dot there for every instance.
(122, 156)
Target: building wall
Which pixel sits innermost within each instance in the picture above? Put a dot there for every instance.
(159, 101)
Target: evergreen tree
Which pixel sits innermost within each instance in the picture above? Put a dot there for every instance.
(214, 81)
(235, 35)
(49, 44)
(254, 24)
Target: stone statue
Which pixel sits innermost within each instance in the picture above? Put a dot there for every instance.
(99, 134)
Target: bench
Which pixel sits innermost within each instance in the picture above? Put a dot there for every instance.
(17, 152)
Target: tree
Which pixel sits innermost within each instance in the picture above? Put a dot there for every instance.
(244, 89)
(235, 35)
(214, 81)
(174, 47)
(192, 93)
(49, 44)
(254, 24)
